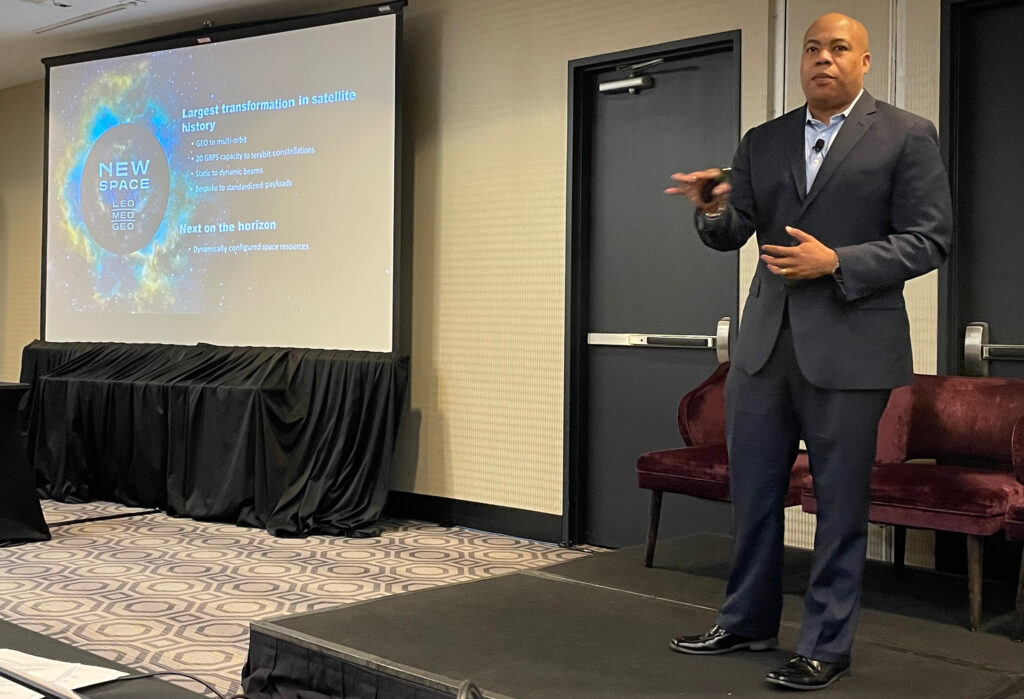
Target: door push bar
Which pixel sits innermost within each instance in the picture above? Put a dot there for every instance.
(977, 350)
(718, 342)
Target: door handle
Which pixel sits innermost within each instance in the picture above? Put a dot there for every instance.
(977, 350)
(718, 342)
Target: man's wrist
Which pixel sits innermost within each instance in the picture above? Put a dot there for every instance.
(715, 210)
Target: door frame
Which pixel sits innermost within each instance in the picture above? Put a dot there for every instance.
(949, 121)
(574, 437)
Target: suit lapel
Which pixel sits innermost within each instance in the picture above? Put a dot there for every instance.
(857, 124)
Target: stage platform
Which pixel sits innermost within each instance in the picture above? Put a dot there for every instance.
(599, 627)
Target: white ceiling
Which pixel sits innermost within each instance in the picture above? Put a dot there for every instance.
(21, 49)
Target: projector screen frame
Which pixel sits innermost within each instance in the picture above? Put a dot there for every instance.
(210, 35)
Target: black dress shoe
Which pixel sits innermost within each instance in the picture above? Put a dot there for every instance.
(803, 673)
(717, 640)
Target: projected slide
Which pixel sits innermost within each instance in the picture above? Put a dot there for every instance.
(237, 193)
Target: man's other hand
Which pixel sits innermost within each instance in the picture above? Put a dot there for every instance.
(808, 259)
(690, 185)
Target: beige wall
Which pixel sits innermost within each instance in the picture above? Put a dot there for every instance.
(485, 109)
(918, 90)
(21, 216)
(488, 98)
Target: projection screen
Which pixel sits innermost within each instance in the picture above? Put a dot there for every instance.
(239, 189)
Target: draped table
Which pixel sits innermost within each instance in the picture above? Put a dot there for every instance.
(297, 441)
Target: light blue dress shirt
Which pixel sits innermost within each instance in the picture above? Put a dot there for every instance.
(815, 130)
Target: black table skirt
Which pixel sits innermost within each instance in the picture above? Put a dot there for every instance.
(21, 518)
(298, 441)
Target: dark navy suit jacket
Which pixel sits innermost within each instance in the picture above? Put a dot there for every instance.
(880, 200)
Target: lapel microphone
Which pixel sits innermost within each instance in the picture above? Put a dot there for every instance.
(818, 145)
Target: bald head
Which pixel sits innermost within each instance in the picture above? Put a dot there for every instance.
(856, 31)
(834, 60)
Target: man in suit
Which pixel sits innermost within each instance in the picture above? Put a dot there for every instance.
(848, 198)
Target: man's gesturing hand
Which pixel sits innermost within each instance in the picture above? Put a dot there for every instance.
(690, 184)
(809, 259)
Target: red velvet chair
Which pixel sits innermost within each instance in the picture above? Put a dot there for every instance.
(700, 469)
(950, 458)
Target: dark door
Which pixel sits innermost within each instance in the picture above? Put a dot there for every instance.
(642, 289)
(981, 321)
(984, 282)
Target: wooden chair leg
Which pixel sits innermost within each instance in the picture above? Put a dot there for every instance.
(652, 529)
(974, 546)
(899, 548)
(1018, 612)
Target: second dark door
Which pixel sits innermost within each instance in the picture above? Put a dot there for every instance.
(643, 273)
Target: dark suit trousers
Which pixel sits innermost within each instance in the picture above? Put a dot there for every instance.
(767, 414)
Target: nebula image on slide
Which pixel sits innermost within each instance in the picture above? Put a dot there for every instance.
(119, 195)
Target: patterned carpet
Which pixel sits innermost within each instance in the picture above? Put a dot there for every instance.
(159, 593)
